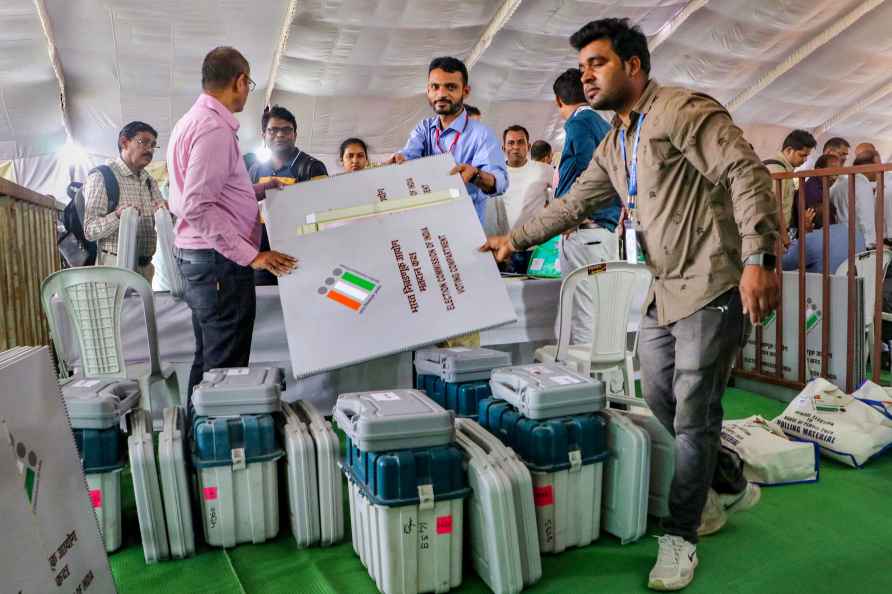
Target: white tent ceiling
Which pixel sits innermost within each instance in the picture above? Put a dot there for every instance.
(358, 67)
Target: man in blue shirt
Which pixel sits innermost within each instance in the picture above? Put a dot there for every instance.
(814, 249)
(477, 151)
(594, 241)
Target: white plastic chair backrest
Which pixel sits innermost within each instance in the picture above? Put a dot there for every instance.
(127, 228)
(93, 297)
(865, 268)
(613, 287)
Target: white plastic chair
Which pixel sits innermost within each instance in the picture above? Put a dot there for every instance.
(94, 297)
(865, 268)
(613, 286)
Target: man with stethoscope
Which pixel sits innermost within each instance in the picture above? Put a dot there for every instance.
(476, 149)
(703, 218)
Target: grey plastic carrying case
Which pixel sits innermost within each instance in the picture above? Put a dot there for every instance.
(315, 492)
(175, 484)
(393, 420)
(146, 488)
(99, 403)
(626, 478)
(460, 364)
(546, 390)
(238, 391)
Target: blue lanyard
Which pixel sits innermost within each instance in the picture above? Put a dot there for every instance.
(632, 167)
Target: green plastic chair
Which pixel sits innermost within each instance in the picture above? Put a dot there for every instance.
(94, 297)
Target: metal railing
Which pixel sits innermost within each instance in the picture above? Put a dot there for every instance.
(28, 254)
(777, 376)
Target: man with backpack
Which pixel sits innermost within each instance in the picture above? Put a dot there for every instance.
(124, 183)
(287, 165)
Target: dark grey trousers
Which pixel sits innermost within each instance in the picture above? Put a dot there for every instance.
(685, 368)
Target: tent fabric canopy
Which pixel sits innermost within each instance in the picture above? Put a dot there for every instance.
(358, 67)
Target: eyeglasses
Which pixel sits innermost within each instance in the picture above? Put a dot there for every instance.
(149, 144)
(284, 130)
(251, 84)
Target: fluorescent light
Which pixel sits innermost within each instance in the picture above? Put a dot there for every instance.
(263, 154)
(71, 154)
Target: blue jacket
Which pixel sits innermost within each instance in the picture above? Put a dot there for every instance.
(584, 131)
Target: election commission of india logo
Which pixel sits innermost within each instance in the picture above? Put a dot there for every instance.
(350, 288)
(29, 465)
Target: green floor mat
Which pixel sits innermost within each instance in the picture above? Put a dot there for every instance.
(829, 537)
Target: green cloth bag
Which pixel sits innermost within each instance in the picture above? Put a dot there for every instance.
(546, 259)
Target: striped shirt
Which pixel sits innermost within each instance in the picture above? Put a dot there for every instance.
(137, 190)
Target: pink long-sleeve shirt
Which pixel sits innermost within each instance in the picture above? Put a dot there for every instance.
(210, 191)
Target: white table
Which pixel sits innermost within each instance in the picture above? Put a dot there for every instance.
(535, 303)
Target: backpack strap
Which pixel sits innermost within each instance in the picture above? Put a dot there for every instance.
(112, 189)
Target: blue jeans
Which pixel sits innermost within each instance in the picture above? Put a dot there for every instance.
(685, 368)
(221, 295)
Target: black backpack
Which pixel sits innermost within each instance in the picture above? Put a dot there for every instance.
(75, 248)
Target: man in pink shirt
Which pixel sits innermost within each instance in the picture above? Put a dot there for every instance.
(218, 221)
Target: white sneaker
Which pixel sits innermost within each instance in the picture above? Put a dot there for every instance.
(719, 507)
(675, 564)
(714, 516)
(739, 502)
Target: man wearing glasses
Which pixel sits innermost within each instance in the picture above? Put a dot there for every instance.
(218, 220)
(287, 165)
(136, 189)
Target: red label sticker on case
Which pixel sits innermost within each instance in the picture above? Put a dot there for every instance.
(444, 525)
(543, 496)
(210, 493)
(96, 497)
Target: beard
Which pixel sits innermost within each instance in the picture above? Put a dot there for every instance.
(610, 100)
(450, 108)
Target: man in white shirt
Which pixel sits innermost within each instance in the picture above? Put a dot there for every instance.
(865, 200)
(529, 183)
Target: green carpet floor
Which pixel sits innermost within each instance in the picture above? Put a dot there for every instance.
(834, 536)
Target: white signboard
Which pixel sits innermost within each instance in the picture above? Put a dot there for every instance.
(388, 282)
(286, 210)
(816, 316)
(44, 491)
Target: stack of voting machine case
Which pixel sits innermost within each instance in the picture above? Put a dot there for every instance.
(407, 487)
(315, 496)
(457, 378)
(501, 514)
(564, 446)
(234, 451)
(95, 409)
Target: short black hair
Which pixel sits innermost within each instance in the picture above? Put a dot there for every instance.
(221, 66)
(449, 64)
(539, 150)
(627, 39)
(350, 141)
(823, 160)
(835, 143)
(866, 157)
(515, 128)
(568, 87)
(130, 131)
(279, 112)
(798, 140)
(472, 111)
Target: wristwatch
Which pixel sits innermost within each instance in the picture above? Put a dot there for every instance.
(765, 260)
(474, 177)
